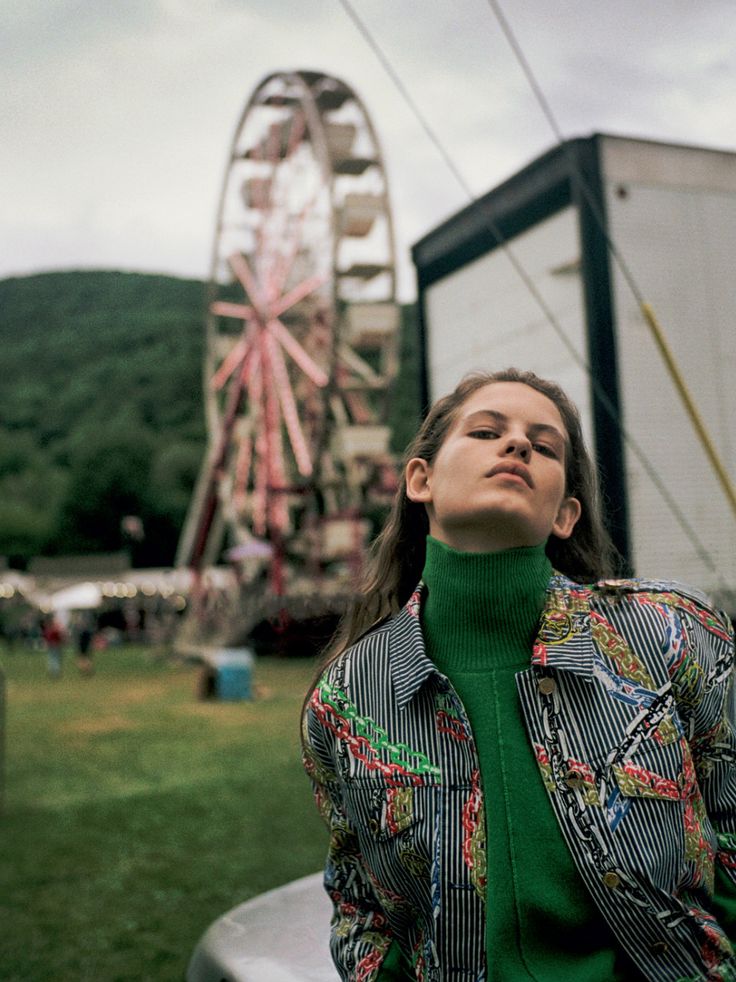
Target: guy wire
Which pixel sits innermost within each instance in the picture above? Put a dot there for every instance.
(503, 243)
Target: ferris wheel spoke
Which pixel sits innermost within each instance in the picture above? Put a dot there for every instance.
(307, 364)
(260, 479)
(310, 368)
(289, 410)
(357, 364)
(358, 409)
(229, 364)
(287, 258)
(223, 308)
(299, 292)
(239, 266)
(242, 471)
(260, 489)
(277, 515)
(279, 510)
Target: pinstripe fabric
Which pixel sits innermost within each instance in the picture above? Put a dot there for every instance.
(629, 705)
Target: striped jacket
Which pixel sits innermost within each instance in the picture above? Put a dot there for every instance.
(630, 708)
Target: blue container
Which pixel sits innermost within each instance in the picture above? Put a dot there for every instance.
(233, 673)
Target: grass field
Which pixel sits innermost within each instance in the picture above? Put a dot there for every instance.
(135, 814)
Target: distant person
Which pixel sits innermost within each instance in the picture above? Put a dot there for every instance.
(85, 635)
(53, 637)
(527, 769)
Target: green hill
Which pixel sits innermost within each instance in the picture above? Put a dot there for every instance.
(101, 412)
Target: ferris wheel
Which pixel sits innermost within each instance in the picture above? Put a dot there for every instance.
(302, 329)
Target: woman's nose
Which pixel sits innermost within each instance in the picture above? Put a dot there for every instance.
(518, 446)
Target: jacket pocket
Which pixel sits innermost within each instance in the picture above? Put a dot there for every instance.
(654, 770)
(394, 845)
(380, 813)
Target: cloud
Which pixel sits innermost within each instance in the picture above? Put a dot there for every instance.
(119, 116)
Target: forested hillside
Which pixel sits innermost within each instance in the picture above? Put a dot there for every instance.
(101, 411)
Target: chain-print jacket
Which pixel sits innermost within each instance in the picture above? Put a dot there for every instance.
(629, 705)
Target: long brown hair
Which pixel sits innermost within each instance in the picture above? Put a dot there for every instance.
(396, 560)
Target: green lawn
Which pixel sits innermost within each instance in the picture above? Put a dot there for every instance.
(135, 814)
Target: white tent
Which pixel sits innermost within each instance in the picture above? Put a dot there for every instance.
(80, 596)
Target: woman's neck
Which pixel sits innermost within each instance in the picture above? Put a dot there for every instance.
(483, 608)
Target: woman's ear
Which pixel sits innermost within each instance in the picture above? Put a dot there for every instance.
(417, 480)
(567, 518)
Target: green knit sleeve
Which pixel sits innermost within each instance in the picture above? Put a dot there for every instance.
(396, 967)
(724, 903)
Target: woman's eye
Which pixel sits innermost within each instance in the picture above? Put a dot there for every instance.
(483, 434)
(544, 449)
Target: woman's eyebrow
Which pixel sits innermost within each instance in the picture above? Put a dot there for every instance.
(484, 414)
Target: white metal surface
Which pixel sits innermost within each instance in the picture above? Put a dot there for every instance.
(281, 936)
(483, 316)
(672, 213)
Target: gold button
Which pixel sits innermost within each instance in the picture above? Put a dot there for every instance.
(659, 948)
(612, 880)
(547, 686)
(574, 779)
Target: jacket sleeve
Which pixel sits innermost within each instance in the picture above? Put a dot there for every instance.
(706, 685)
(720, 798)
(360, 937)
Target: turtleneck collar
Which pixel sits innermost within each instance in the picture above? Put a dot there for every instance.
(482, 609)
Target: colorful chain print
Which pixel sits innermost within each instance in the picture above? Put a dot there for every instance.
(715, 944)
(638, 781)
(682, 603)
(688, 679)
(474, 836)
(558, 622)
(337, 713)
(449, 720)
(543, 762)
(389, 900)
(588, 788)
(417, 960)
(582, 770)
(414, 602)
(399, 809)
(614, 647)
(627, 664)
(697, 848)
(368, 966)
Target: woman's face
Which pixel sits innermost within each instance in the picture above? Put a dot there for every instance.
(498, 481)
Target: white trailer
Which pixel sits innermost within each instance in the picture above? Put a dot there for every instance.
(670, 213)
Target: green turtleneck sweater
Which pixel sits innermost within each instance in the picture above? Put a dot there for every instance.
(479, 618)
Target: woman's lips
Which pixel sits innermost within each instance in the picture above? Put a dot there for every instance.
(513, 470)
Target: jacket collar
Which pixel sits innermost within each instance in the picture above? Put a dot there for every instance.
(563, 641)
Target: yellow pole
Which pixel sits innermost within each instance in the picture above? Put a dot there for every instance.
(692, 410)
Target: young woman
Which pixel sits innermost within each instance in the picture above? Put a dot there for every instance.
(524, 777)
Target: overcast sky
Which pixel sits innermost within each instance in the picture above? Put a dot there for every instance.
(117, 117)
